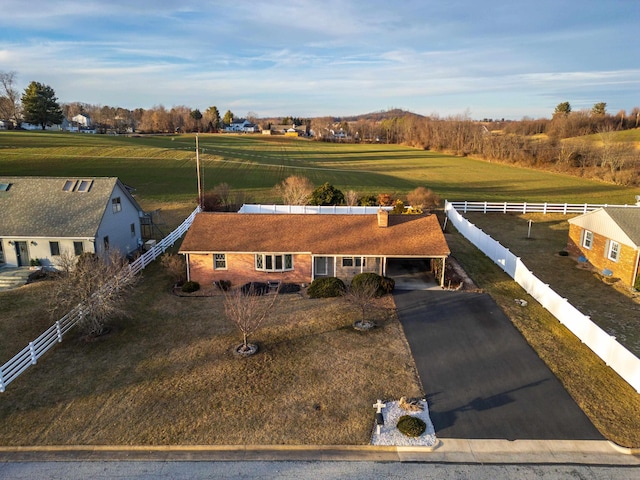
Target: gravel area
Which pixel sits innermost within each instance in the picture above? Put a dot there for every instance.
(390, 435)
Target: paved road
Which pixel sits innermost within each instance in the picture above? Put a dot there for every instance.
(481, 377)
(306, 470)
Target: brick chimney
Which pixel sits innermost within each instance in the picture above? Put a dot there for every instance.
(383, 218)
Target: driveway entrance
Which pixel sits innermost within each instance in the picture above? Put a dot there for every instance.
(482, 379)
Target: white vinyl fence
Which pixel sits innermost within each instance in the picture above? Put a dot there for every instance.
(53, 335)
(625, 363)
(311, 209)
(524, 207)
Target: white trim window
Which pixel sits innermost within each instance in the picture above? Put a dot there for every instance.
(354, 262)
(219, 261)
(267, 262)
(116, 205)
(587, 239)
(613, 253)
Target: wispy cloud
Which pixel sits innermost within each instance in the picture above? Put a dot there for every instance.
(333, 57)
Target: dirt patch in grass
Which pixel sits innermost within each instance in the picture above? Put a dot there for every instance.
(168, 376)
(612, 405)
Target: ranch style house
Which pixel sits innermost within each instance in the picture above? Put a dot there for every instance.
(298, 248)
(609, 239)
(43, 217)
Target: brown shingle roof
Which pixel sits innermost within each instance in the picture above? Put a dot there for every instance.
(406, 236)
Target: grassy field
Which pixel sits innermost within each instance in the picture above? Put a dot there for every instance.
(162, 168)
(167, 375)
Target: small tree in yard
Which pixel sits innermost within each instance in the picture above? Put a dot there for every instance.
(175, 266)
(295, 190)
(100, 285)
(363, 296)
(422, 199)
(247, 310)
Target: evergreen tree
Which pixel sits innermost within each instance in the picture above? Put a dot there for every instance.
(327, 194)
(40, 105)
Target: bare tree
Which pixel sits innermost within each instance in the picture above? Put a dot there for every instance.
(99, 285)
(351, 198)
(223, 190)
(363, 296)
(295, 190)
(247, 310)
(175, 266)
(423, 198)
(9, 97)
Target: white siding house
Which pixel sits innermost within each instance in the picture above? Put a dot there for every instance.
(44, 217)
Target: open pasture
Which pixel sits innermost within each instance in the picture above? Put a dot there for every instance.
(162, 168)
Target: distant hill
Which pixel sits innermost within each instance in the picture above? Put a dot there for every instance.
(380, 115)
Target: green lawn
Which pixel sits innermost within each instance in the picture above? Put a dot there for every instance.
(162, 168)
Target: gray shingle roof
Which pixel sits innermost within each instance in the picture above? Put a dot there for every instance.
(39, 207)
(628, 219)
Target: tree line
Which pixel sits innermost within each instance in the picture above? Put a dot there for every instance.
(558, 143)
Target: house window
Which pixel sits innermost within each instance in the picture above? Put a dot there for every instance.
(116, 205)
(69, 185)
(55, 248)
(78, 248)
(133, 230)
(105, 241)
(353, 261)
(4, 187)
(587, 241)
(219, 261)
(614, 251)
(274, 263)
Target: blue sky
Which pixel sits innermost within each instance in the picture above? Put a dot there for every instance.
(510, 58)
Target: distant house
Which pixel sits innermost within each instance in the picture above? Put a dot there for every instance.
(299, 248)
(81, 120)
(241, 126)
(44, 217)
(609, 239)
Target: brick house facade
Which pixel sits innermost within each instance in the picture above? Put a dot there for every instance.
(297, 248)
(609, 239)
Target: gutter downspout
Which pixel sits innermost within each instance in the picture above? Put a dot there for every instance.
(444, 259)
(635, 273)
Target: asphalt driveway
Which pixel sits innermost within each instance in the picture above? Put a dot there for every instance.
(482, 378)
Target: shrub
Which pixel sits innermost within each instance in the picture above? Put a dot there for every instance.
(175, 266)
(190, 287)
(637, 285)
(289, 288)
(223, 285)
(259, 288)
(385, 284)
(326, 287)
(411, 426)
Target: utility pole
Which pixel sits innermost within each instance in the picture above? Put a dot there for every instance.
(198, 173)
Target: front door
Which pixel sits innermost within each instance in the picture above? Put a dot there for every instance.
(323, 266)
(22, 254)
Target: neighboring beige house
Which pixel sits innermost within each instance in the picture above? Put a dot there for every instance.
(609, 239)
(298, 248)
(43, 217)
